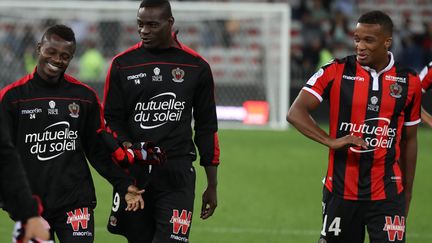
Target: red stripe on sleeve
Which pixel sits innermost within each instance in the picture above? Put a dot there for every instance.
(216, 153)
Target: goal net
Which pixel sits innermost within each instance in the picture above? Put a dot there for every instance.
(246, 45)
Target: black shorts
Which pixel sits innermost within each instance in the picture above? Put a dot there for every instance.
(167, 215)
(72, 226)
(346, 220)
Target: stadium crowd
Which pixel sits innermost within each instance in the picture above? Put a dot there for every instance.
(331, 20)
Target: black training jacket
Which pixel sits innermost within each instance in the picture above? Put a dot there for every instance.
(54, 127)
(154, 95)
(14, 189)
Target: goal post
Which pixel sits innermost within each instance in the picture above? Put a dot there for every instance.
(246, 45)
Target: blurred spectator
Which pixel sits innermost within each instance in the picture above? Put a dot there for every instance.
(320, 12)
(10, 67)
(325, 56)
(411, 54)
(216, 34)
(345, 6)
(12, 40)
(29, 59)
(339, 29)
(311, 55)
(81, 29)
(109, 33)
(299, 10)
(91, 63)
(426, 42)
(312, 21)
(341, 49)
(28, 40)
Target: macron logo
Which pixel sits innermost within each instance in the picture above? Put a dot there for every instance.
(353, 78)
(136, 76)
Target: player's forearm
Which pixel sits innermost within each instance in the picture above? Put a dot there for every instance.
(211, 172)
(426, 117)
(304, 123)
(408, 161)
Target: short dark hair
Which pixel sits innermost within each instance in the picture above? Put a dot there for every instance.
(377, 17)
(65, 32)
(164, 4)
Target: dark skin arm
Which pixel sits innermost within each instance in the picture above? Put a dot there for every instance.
(299, 115)
(426, 117)
(209, 197)
(408, 161)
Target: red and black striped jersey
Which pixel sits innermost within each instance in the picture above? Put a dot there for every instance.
(374, 106)
(426, 77)
(54, 127)
(153, 95)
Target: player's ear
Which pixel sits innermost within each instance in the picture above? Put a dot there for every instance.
(388, 43)
(171, 20)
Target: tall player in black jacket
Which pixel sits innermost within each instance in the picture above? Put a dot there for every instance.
(54, 121)
(153, 92)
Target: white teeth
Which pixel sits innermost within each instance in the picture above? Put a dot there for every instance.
(53, 67)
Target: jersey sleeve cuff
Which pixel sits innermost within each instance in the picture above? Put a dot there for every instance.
(412, 123)
(314, 93)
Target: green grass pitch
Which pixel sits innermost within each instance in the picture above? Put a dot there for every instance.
(270, 191)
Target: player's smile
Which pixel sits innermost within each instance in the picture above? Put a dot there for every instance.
(54, 68)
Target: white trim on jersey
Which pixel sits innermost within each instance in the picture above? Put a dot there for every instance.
(412, 123)
(314, 93)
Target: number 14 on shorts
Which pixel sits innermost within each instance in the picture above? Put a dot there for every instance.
(333, 227)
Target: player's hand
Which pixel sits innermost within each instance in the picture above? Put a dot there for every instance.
(148, 153)
(348, 141)
(134, 199)
(209, 202)
(35, 229)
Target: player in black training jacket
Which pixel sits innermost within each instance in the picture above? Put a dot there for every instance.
(55, 122)
(15, 191)
(153, 92)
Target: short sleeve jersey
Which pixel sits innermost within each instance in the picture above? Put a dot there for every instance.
(374, 106)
